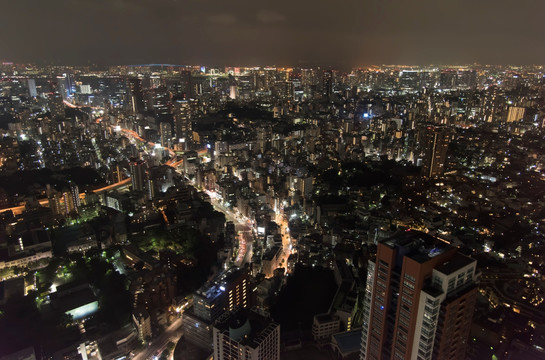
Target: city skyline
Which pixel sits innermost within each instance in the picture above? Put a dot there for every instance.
(250, 180)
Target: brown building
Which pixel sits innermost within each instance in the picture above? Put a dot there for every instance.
(435, 146)
(419, 302)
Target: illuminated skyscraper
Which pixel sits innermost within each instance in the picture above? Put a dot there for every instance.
(32, 88)
(492, 104)
(419, 302)
(136, 95)
(56, 105)
(138, 175)
(434, 146)
(74, 191)
(182, 120)
(515, 113)
(165, 129)
(54, 199)
(233, 91)
(72, 202)
(186, 81)
(327, 83)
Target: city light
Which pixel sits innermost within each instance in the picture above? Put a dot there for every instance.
(159, 210)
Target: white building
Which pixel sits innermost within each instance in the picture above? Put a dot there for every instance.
(325, 325)
(246, 335)
(142, 321)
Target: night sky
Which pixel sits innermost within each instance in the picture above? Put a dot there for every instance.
(283, 32)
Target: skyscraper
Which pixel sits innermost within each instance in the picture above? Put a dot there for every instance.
(165, 129)
(516, 113)
(68, 200)
(182, 120)
(56, 105)
(32, 88)
(233, 92)
(419, 302)
(54, 199)
(138, 173)
(136, 95)
(74, 192)
(434, 146)
(327, 83)
(246, 335)
(186, 81)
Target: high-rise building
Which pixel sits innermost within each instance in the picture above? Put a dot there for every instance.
(56, 105)
(327, 83)
(492, 104)
(136, 95)
(138, 175)
(32, 88)
(244, 334)
(515, 113)
(419, 301)
(226, 291)
(71, 200)
(142, 321)
(85, 89)
(165, 129)
(233, 91)
(159, 100)
(182, 120)
(54, 200)
(74, 193)
(186, 81)
(68, 201)
(434, 145)
(264, 136)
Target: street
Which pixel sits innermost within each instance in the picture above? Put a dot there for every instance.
(172, 333)
(242, 227)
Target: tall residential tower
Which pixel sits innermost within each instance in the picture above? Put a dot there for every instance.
(420, 298)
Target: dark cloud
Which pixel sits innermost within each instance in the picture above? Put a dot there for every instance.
(250, 32)
(222, 19)
(270, 16)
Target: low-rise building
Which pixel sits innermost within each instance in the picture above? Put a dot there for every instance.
(325, 325)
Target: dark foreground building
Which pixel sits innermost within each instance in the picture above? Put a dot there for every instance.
(420, 297)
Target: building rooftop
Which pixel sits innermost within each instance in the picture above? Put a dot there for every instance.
(457, 262)
(26, 354)
(348, 341)
(325, 318)
(79, 303)
(272, 253)
(11, 288)
(417, 245)
(432, 290)
(213, 288)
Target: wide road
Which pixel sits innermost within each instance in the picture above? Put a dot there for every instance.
(159, 344)
(286, 240)
(243, 227)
